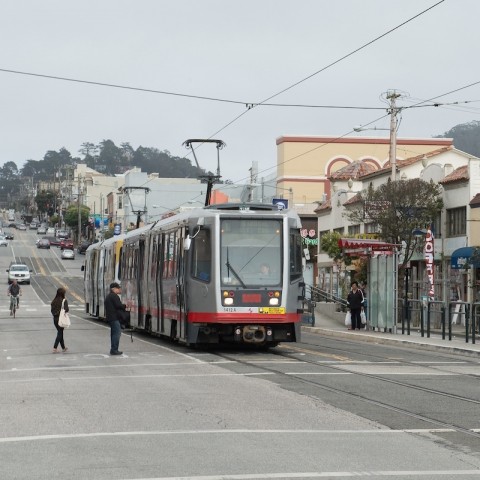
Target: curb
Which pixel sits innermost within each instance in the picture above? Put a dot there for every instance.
(381, 338)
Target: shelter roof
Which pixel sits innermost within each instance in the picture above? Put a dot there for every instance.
(361, 247)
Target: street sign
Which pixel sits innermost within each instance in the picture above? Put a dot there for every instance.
(281, 203)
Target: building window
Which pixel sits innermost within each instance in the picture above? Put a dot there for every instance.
(339, 230)
(120, 202)
(457, 221)
(353, 229)
(371, 228)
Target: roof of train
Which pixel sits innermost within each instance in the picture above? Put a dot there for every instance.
(211, 210)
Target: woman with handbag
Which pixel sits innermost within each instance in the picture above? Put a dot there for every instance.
(58, 304)
(355, 304)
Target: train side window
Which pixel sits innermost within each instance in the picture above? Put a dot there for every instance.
(202, 256)
(120, 264)
(295, 255)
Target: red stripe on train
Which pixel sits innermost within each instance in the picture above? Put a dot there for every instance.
(215, 317)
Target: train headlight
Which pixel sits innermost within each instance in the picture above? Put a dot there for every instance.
(228, 301)
(273, 301)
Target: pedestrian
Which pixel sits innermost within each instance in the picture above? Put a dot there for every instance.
(56, 306)
(355, 301)
(114, 312)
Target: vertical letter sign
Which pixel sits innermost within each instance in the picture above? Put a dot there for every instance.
(429, 262)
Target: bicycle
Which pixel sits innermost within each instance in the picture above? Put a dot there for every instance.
(13, 304)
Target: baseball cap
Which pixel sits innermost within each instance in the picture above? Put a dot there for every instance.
(115, 285)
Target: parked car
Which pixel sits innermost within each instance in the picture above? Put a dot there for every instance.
(3, 242)
(82, 248)
(54, 241)
(42, 230)
(12, 224)
(66, 243)
(43, 243)
(8, 235)
(68, 254)
(19, 272)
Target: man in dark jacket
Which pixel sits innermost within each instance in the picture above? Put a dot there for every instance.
(355, 304)
(114, 309)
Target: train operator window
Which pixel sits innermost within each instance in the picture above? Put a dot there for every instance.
(202, 256)
(247, 246)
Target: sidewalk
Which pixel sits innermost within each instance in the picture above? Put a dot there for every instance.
(324, 325)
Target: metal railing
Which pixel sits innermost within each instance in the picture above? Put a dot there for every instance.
(429, 314)
(319, 295)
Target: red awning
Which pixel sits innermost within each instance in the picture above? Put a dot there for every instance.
(364, 246)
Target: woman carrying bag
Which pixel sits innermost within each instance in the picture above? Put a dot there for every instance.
(59, 303)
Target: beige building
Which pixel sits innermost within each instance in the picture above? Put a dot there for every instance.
(306, 163)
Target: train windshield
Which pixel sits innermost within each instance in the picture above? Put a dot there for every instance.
(251, 252)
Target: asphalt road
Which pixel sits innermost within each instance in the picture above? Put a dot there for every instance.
(325, 408)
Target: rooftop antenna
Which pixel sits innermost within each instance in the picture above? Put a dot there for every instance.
(210, 179)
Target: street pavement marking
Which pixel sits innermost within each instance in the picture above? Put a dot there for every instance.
(130, 377)
(374, 431)
(356, 474)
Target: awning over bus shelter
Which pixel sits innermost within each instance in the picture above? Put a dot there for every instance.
(358, 247)
(464, 256)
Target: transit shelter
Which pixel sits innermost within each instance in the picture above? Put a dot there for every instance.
(382, 278)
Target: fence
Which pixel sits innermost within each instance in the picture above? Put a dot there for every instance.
(446, 318)
(428, 315)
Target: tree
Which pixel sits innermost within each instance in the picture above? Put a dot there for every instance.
(466, 137)
(45, 201)
(329, 245)
(398, 209)
(71, 216)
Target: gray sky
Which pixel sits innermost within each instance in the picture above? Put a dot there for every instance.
(243, 51)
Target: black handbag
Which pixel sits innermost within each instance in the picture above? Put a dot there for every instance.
(125, 318)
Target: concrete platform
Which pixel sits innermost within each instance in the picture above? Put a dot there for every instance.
(333, 325)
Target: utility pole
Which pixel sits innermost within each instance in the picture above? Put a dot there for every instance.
(393, 110)
(79, 211)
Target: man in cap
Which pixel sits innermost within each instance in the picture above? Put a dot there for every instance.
(114, 309)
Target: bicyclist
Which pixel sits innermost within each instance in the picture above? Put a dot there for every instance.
(15, 291)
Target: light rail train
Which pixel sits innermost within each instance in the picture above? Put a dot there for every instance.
(217, 274)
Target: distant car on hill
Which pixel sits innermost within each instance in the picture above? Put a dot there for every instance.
(19, 272)
(66, 244)
(68, 254)
(54, 241)
(43, 243)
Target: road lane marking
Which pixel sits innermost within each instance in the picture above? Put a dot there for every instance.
(223, 432)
